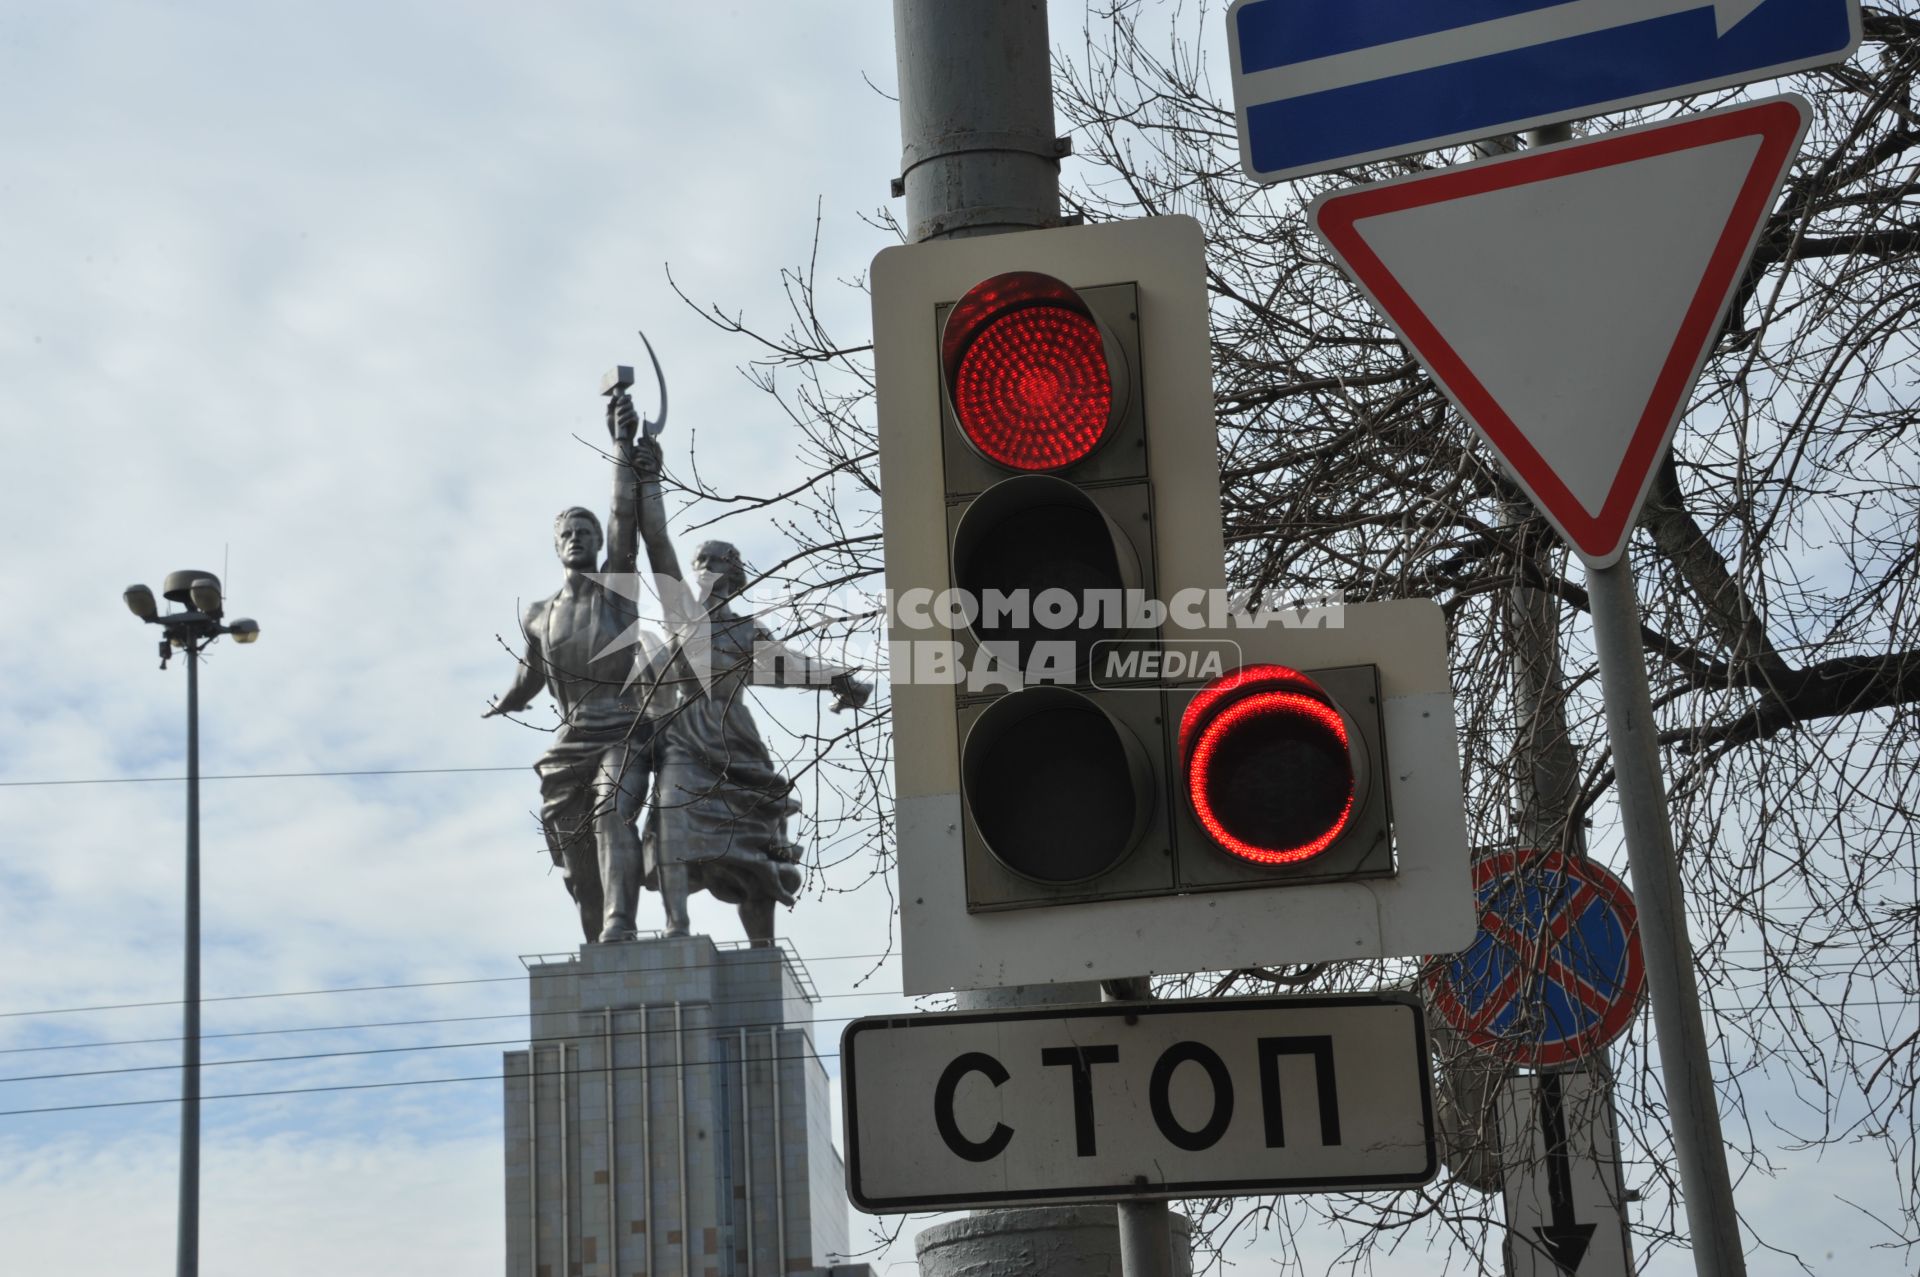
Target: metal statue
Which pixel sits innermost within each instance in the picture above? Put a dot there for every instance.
(586, 647)
(721, 807)
(637, 712)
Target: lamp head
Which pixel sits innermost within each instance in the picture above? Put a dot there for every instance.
(245, 630)
(179, 585)
(205, 594)
(140, 602)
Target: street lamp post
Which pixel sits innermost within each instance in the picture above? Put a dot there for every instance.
(190, 631)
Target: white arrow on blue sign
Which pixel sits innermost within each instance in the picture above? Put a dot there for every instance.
(1321, 84)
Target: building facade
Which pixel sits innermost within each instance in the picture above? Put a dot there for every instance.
(671, 1118)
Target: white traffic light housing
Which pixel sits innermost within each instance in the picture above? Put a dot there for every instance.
(1098, 773)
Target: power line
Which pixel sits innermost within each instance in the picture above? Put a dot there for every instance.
(533, 1045)
(173, 1067)
(163, 780)
(1829, 961)
(582, 1071)
(379, 1024)
(419, 1022)
(424, 1081)
(255, 1033)
(541, 1041)
(386, 988)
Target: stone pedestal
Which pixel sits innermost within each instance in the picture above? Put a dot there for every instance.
(671, 1117)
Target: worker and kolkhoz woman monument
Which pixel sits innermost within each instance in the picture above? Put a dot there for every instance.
(657, 775)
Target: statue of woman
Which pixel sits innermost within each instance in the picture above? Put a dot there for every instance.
(720, 810)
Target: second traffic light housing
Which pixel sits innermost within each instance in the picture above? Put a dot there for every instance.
(1259, 776)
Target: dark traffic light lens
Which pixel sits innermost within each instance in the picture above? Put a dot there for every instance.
(1033, 390)
(1268, 765)
(1042, 563)
(1058, 791)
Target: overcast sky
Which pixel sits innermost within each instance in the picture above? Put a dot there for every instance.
(322, 294)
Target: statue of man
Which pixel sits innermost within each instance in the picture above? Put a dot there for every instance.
(720, 809)
(584, 645)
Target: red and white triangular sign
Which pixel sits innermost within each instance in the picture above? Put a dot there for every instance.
(1565, 297)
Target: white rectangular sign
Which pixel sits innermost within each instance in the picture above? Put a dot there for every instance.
(1566, 1213)
(1118, 1100)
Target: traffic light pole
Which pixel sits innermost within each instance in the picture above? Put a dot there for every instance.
(1146, 1228)
(978, 151)
(979, 156)
(1685, 1064)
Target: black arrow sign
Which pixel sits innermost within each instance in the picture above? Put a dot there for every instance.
(1565, 1241)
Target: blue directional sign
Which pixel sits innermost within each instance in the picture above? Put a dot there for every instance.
(1320, 84)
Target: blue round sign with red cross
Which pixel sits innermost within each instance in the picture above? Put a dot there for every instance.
(1555, 972)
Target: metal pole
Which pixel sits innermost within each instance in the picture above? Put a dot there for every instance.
(613, 1149)
(686, 1128)
(533, 1160)
(1146, 1239)
(1657, 893)
(979, 156)
(646, 1144)
(187, 1252)
(1146, 1228)
(779, 1156)
(566, 1188)
(746, 1140)
(978, 150)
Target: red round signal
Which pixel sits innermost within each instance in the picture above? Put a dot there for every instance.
(1268, 765)
(1028, 373)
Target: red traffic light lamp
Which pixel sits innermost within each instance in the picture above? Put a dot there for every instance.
(1035, 380)
(1268, 764)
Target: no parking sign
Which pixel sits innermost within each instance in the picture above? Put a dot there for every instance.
(1555, 972)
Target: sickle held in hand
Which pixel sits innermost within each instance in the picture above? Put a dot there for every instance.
(651, 428)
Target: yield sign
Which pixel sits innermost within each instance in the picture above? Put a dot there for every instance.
(1565, 297)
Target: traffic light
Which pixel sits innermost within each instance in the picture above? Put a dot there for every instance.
(1078, 721)
(1282, 773)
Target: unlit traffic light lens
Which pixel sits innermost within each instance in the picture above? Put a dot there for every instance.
(1043, 545)
(1268, 765)
(1059, 792)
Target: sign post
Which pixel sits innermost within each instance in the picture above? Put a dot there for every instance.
(1685, 1060)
